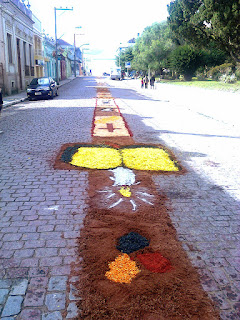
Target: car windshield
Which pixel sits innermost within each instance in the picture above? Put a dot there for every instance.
(41, 81)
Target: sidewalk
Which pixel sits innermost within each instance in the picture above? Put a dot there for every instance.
(22, 96)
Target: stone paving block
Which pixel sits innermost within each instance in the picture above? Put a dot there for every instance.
(12, 237)
(50, 261)
(30, 236)
(24, 253)
(73, 294)
(72, 311)
(58, 283)
(34, 297)
(12, 306)
(30, 262)
(67, 252)
(13, 245)
(46, 228)
(46, 252)
(13, 273)
(55, 301)
(56, 315)
(234, 262)
(220, 276)
(56, 243)
(31, 217)
(36, 272)
(30, 314)
(3, 295)
(38, 282)
(34, 244)
(19, 287)
(5, 283)
(61, 270)
(6, 254)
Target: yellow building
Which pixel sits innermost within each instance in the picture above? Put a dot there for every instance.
(38, 48)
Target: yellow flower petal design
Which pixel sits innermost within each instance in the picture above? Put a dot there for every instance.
(97, 158)
(148, 159)
(108, 119)
(125, 192)
(122, 269)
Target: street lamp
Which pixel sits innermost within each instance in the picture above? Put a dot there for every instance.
(56, 56)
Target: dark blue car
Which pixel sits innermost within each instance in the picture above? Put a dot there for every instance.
(42, 88)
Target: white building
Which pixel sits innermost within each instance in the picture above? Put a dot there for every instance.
(16, 46)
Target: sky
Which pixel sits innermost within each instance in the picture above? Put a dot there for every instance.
(105, 25)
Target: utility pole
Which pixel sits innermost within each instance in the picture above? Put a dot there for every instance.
(76, 34)
(119, 61)
(56, 56)
(85, 44)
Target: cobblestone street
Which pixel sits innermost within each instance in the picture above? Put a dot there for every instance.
(42, 209)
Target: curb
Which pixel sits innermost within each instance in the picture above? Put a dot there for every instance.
(11, 103)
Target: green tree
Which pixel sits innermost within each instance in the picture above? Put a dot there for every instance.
(200, 22)
(185, 61)
(152, 48)
(124, 56)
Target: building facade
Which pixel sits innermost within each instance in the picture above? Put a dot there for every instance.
(70, 57)
(16, 46)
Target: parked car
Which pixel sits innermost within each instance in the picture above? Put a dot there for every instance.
(42, 88)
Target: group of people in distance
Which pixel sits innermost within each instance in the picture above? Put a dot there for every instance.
(145, 81)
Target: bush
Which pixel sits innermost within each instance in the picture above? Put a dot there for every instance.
(228, 78)
(218, 71)
(237, 71)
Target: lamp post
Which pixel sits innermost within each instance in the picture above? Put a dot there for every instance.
(56, 56)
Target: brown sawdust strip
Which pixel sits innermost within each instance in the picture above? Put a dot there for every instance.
(176, 294)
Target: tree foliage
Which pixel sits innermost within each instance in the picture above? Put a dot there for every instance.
(152, 48)
(124, 56)
(185, 60)
(199, 22)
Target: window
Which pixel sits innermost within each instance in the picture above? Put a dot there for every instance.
(9, 44)
(41, 81)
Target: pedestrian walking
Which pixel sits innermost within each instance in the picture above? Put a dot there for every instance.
(1, 104)
(142, 82)
(146, 82)
(152, 81)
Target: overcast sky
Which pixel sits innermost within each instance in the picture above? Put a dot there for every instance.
(105, 24)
